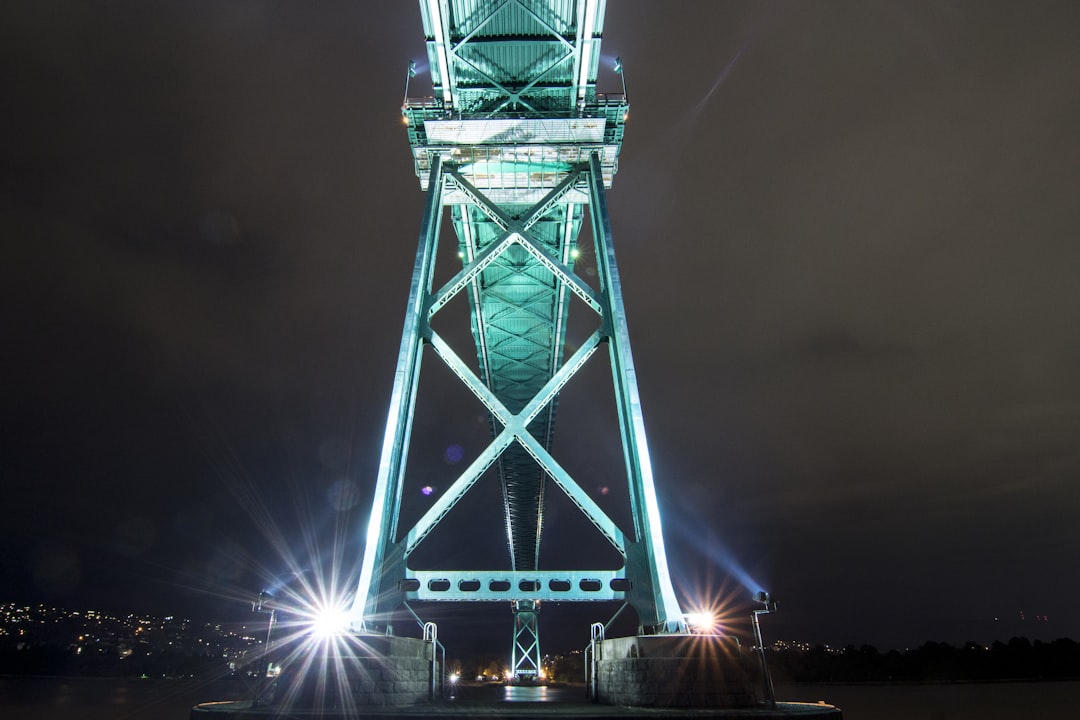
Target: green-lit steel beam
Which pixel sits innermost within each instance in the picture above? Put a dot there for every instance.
(517, 145)
(373, 596)
(525, 656)
(647, 558)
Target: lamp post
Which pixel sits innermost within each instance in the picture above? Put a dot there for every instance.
(262, 605)
(619, 71)
(769, 606)
(409, 75)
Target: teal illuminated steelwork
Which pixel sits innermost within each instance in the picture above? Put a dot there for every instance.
(525, 656)
(516, 143)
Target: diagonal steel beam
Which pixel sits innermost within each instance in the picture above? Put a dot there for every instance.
(475, 292)
(551, 199)
(469, 273)
(493, 211)
(515, 427)
(480, 25)
(539, 76)
(494, 83)
(499, 216)
(561, 271)
(559, 379)
(455, 492)
(568, 485)
(546, 25)
(473, 383)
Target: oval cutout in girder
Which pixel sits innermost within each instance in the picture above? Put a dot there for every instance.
(620, 585)
(438, 585)
(468, 585)
(559, 585)
(499, 586)
(529, 585)
(589, 585)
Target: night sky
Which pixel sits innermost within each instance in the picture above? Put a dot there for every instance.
(847, 233)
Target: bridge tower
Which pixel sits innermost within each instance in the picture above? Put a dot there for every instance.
(518, 148)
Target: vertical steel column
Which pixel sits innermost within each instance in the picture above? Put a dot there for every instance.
(646, 559)
(374, 603)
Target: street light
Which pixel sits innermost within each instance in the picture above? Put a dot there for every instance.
(769, 605)
(262, 605)
(619, 71)
(409, 75)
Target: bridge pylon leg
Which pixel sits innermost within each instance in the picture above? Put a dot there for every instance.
(516, 147)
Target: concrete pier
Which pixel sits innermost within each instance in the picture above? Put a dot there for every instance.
(686, 677)
(677, 671)
(370, 671)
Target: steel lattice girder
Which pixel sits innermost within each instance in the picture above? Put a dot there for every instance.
(512, 55)
(520, 404)
(516, 143)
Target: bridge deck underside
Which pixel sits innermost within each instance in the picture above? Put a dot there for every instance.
(513, 55)
(518, 311)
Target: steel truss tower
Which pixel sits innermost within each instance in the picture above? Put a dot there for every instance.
(517, 144)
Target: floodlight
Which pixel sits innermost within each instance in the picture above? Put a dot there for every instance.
(770, 606)
(701, 623)
(619, 71)
(409, 75)
(261, 603)
(329, 622)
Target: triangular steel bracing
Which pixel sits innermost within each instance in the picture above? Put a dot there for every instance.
(517, 148)
(518, 271)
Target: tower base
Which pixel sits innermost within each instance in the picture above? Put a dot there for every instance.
(351, 675)
(677, 671)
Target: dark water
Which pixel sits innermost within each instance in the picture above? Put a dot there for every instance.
(962, 701)
(49, 698)
(112, 699)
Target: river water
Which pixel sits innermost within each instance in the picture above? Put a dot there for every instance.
(958, 701)
(50, 698)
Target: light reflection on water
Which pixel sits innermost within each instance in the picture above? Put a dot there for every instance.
(524, 693)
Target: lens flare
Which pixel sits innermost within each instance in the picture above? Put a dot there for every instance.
(454, 454)
(329, 622)
(701, 622)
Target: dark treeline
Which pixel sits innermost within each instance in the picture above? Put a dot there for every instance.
(1019, 658)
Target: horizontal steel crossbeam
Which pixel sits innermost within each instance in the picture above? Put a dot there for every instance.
(495, 585)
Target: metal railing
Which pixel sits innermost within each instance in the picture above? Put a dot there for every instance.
(438, 669)
(591, 660)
